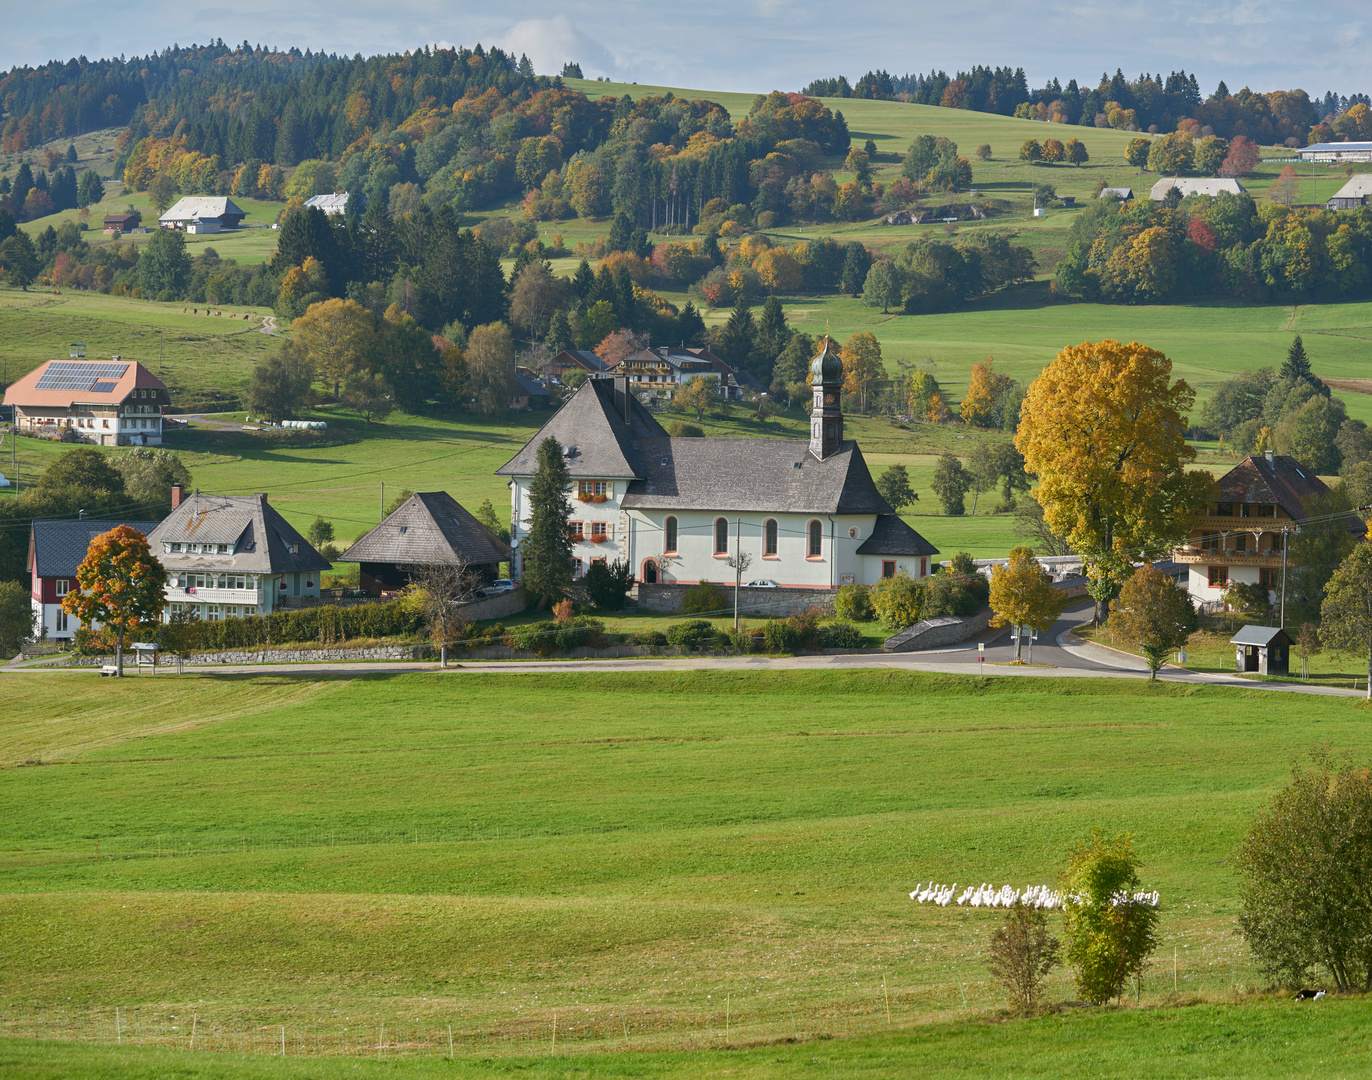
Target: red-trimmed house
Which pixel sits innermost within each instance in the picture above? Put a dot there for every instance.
(56, 549)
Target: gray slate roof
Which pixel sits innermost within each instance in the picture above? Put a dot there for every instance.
(1210, 186)
(335, 203)
(893, 536)
(531, 387)
(428, 528)
(60, 546)
(260, 537)
(593, 433)
(1261, 635)
(1358, 187)
(769, 476)
(202, 206)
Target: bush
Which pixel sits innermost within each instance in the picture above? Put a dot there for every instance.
(551, 638)
(1306, 863)
(680, 429)
(898, 601)
(691, 635)
(703, 598)
(608, 585)
(854, 602)
(1107, 941)
(781, 636)
(950, 593)
(840, 635)
(746, 639)
(1022, 955)
(653, 639)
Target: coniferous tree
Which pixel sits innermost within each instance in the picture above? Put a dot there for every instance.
(691, 327)
(856, 262)
(23, 183)
(772, 332)
(737, 339)
(559, 332)
(1297, 364)
(547, 549)
(582, 282)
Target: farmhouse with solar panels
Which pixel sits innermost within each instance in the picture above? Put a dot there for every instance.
(108, 403)
(676, 510)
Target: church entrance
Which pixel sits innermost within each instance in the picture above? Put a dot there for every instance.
(649, 572)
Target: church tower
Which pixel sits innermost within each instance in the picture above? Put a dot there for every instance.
(826, 415)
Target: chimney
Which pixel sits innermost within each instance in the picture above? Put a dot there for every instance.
(262, 495)
(177, 493)
(622, 387)
(1268, 454)
(80, 515)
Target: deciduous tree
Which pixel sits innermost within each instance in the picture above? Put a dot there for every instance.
(1346, 614)
(862, 366)
(697, 393)
(491, 368)
(1154, 613)
(120, 584)
(335, 338)
(280, 384)
(894, 485)
(1136, 152)
(951, 483)
(18, 622)
(1103, 428)
(985, 389)
(1022, 594)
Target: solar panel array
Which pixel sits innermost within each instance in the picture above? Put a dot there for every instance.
(66, 375)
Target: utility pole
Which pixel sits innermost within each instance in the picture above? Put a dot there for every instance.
(382, 508)
(738, 570)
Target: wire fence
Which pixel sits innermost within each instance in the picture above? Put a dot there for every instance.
(722, 1021)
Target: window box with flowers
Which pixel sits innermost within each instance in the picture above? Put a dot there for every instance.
(588, 498)
(593, 491)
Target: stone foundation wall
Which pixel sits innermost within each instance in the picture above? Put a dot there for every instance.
(775, 603)
(933, 633)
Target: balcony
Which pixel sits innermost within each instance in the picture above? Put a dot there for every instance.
(1227, 557)
(1232, 523)
(179, 595)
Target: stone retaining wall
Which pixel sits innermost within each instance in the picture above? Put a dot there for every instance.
(777, 603)
(944, 630)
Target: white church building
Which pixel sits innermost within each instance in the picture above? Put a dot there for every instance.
(808, 514)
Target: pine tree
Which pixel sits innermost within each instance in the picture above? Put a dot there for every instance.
(691, 326)
(737, 339)
(856, 262)
(1297, 365)
(559, 332)
(547, 550)
(582, 281)
(772, 332)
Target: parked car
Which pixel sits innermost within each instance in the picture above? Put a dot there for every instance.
(496, 587)
(762, 583)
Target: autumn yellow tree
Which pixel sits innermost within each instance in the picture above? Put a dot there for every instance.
(336, 338)
(984, 391)
(1053, 151)
(1022, 594)
(120, 584)
(1103, 428)
(862, 366)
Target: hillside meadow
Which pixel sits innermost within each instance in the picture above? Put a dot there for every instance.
(697, 859)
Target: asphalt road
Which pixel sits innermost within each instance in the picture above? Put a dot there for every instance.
(1053, 655)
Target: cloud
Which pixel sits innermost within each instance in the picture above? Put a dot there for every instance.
(550, 43)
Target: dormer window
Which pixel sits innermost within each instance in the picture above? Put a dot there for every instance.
(223, 549)
(294, 549)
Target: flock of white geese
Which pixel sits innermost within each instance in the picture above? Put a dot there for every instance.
(1033, 896)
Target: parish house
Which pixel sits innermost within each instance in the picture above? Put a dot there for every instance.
(807, 514)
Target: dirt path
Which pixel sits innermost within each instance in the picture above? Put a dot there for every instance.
(269, 326)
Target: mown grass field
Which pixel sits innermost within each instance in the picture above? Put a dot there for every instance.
(352, 851)
(1277, 1039)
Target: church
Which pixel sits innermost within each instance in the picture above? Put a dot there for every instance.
(808, 515)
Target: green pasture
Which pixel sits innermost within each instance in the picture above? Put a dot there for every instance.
(94, 150)
(1276, 1039)
(493, 850)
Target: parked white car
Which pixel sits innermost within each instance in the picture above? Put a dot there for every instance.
(762, 583)
(499, 585)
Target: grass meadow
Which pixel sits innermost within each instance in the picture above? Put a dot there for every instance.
(679, 861)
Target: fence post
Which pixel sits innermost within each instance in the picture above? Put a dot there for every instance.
(118, 1032)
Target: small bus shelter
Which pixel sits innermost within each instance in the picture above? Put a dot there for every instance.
(1262, 649)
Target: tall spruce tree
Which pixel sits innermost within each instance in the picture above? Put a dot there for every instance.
(772, 332)
(856, 262)
(738, 337)
(1297, 364)
(547, 550)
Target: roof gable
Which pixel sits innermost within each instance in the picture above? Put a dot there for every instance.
(260, 538)
(428, 528)
(60, 383)
(592, 429)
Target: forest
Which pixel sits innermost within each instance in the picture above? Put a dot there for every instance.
(1149, 103)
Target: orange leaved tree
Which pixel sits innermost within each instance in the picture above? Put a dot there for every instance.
(1103, 428)
(120, 585)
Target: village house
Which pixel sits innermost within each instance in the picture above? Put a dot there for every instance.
(202, 214)
(1353, 195)
(660, 372)
(118, 224)
(233, 555)
(1207, 186)
(335, 205)
(808, 514)
(582, 361)
(1244, 533)
(56, 550)
(108, 403)
(430, 528)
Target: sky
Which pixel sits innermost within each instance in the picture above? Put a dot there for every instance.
(755, 45)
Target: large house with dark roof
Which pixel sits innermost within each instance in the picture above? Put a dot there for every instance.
(56, 550)
(106, 402)
(809, 514)
(1252, 511)
(233, 555)
(430, 528)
